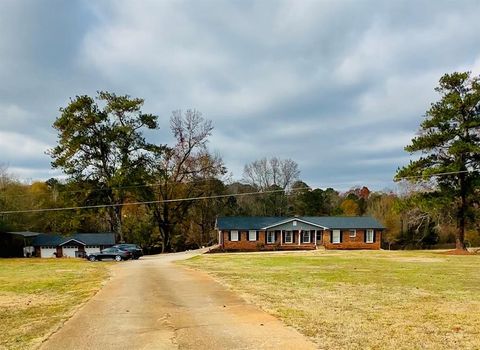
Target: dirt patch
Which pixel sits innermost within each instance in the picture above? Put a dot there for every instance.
(19, 301)
(419, 259)
(458, 252)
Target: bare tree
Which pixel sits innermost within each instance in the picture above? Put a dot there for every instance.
(177, 171)
(5, 177)
(268, 173)
(272, 174)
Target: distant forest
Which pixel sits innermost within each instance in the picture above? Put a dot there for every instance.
(411, 223)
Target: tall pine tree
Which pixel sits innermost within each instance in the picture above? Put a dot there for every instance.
(449, 141)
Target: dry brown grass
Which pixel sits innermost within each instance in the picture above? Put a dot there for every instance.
(362, 299)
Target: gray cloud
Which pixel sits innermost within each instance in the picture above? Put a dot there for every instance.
(338, 86)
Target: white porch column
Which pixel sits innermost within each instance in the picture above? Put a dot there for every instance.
(299, 236)
(315, 238)
(281, 237)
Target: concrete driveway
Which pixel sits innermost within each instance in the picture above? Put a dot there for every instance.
(152, 303)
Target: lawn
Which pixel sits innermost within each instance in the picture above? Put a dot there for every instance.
(361, 299)
(37, 295)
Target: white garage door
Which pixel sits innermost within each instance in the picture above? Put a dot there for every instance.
(69, 251)
(89, 249)
(48, 252)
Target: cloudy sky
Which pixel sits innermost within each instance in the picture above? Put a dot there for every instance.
(338, 86)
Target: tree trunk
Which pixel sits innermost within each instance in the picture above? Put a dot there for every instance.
(167, 243)
(460, 239)
(117, 213)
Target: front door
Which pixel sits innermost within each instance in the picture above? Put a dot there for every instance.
(319, 236)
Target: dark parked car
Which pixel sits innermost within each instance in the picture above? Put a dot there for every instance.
(110, 253)
(136, 251)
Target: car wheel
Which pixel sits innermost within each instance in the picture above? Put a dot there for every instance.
(118, 258)
(91, 258)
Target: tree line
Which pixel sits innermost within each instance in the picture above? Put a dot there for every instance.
(412, 221)
(104, 151)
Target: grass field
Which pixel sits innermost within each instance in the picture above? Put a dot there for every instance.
(362, 299)
(36, 295)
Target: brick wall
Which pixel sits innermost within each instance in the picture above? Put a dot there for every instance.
(357, 242)
(261, 243)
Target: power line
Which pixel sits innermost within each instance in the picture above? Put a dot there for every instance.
(193, 198)
(141, 203)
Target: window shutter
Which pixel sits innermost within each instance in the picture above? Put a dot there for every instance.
(341, 236)
(374, 236)
(365, 235)
(283, 236)
(229, 236)
(331, 236)
(256, 236)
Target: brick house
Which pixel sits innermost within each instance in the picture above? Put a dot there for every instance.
(293, 233)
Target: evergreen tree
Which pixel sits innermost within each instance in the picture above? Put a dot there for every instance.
(449, 140)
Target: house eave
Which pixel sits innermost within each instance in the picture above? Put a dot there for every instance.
(74, 240)
(295, 219)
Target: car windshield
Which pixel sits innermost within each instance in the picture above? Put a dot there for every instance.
(128, 246)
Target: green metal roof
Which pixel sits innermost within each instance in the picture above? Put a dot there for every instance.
(329, 222)
(86, 238)
(247, 222)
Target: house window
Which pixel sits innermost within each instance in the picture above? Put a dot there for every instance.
(288, 237)
(234, 236)
(306, 236)
(353, 233)
(336, 236)
(252, 235)
(319, 235)
(271, 237)
(294, 222)
(369, 238)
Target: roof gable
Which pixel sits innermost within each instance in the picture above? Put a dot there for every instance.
(73, 240)
(292, 220)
